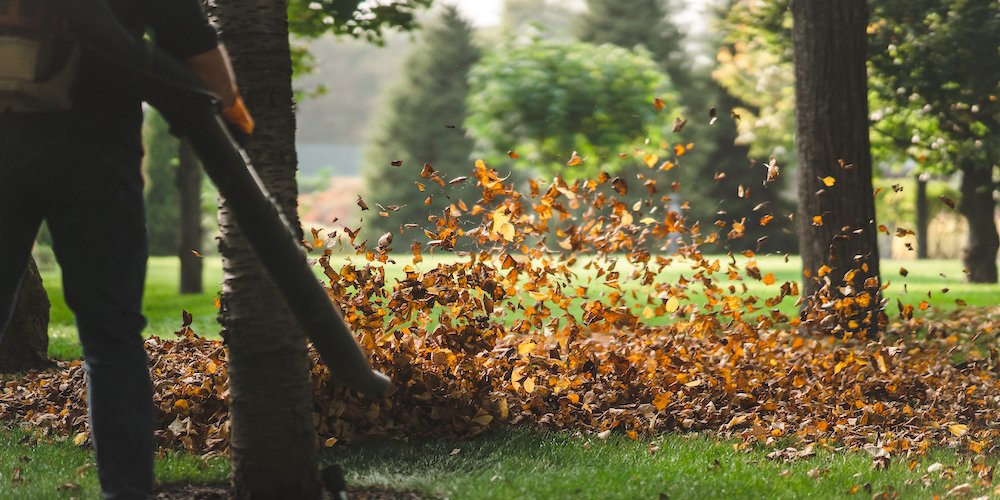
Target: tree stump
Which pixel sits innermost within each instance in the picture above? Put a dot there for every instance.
(25, 345)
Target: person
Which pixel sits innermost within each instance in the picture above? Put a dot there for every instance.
(79, 171)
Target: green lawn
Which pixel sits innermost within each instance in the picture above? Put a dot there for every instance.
(522, 464)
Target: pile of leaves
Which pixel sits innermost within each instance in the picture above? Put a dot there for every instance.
(586, 334)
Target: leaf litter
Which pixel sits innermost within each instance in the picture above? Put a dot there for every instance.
(555, 313)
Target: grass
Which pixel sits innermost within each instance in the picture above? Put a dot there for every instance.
(524, 464)
(51, 469)
(518, 463)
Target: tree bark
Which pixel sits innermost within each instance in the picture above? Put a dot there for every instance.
(980, 254)
(188, 180)
(274, 443)
(923, 218)
(25, 344)
(832, 141)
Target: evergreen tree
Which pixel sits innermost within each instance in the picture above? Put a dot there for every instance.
(159, 164)
(714, 198)
(421, 122)
(639, 22)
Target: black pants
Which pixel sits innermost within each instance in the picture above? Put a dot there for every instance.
(85, 180)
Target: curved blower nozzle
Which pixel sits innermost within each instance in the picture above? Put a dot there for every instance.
(193, 115)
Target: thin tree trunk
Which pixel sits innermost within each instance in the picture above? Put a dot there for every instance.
(274, 444)
(836, 227)
(188, 180)
(980, 254)
(923, 221)
(25, 344)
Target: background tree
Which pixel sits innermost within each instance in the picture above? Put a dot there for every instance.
(640, 22)
(755, 67)
(836, 227)
(188, 180)
(546, 99)
(550, 19)
(25, 344)
(937, 88)
(161, 196)
(421, 122)
(648, 23)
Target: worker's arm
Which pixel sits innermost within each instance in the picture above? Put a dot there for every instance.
(216, 73)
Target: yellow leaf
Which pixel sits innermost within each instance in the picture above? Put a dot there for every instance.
(823, 270)
(958, 429)
(507, 232)
(330, 442)
(672, 305)
(829, 181)
(80, 439)
(768, 279)
(529, 384)
(483, 419)
(651, 160)
(182, 404)
(661, 400)
(526, 347)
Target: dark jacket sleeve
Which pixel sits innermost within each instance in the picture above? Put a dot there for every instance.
(181, 28)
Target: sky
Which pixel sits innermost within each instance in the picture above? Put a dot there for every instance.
(480, 12)
(487, 12)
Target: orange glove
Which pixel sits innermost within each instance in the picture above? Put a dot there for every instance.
(238, 117)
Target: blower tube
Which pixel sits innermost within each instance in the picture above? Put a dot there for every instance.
(192, 113)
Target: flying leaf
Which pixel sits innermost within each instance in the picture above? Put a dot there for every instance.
(575, 160)
(679, 124)
(773, 171)
(672, 305)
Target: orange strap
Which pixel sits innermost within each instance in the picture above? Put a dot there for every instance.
(239, 116)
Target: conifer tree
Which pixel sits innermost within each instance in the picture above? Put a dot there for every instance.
(421, 122)
(713, 174)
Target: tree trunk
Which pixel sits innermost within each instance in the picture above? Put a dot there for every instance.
(923, 221)
(188, 180)
(25, 344)
(274, 443)
(980, 254)
(836, 227)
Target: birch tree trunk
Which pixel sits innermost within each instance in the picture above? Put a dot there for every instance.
(274, 452)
